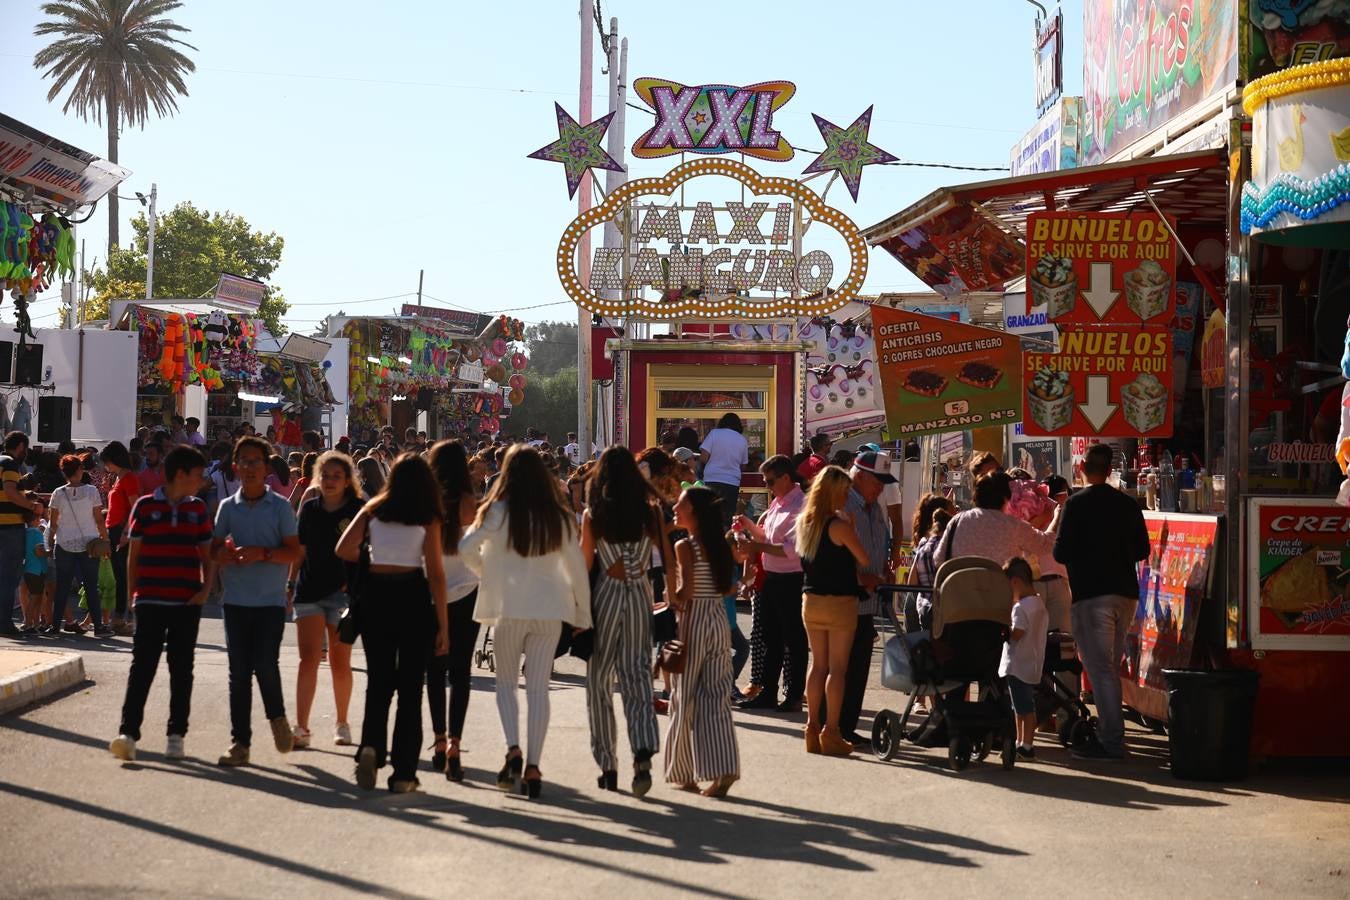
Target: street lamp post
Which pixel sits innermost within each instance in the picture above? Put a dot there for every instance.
(150, 243)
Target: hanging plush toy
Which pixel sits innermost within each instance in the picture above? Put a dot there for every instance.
(217, 327)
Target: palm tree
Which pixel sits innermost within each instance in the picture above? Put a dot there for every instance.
(122, 58)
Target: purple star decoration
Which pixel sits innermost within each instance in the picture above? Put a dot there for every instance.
(847, 150)
(578, 148)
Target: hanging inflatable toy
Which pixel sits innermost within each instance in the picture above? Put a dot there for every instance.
(517, 396)
(519, 361)
(497, 373)
(172, 360)
(517, 381)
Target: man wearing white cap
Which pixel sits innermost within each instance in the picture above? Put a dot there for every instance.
(892, 501)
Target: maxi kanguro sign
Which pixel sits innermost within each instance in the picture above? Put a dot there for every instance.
(736, 258)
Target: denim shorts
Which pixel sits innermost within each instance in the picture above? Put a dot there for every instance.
(1023, 696)
(329, 607)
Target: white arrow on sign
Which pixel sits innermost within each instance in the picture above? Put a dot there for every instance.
(1099, 295)
(1098, 410)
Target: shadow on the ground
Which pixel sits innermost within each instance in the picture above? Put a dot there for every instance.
(693, 829)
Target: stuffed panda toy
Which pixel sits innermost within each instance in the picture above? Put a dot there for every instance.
(217, 327)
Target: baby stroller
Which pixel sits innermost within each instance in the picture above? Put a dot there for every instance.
(971, 604)
(1077, 726)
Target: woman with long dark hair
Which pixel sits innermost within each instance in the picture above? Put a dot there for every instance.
(279, 478)
(523, 546)
(450, 464)
(402, 527)
(701, 742)
(621, 526)
(370, 474)
(123, 496)
(319, 593)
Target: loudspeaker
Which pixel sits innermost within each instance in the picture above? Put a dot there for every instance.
(53, 419)
(28, 364)
(6, 362)
(426, 399)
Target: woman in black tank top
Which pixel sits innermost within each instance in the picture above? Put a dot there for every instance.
(830, 553)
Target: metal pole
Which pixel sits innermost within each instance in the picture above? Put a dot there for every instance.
(150, 246)
(584, 248)
(420, 273)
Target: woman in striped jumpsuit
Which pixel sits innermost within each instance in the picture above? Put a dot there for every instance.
(621, 525)
(701, 743)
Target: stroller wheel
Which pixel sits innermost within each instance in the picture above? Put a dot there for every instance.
(958, 753)
(1066, 731)
(885, 735)
(983, 746)
(1077, 732)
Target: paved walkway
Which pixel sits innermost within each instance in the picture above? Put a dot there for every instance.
(79, 823)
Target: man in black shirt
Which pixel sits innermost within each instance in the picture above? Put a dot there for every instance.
(1101, 537)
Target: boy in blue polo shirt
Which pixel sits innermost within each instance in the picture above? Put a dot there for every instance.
(167, 569)
(255, 542)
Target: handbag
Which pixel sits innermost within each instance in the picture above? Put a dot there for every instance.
(349, 623)
(674, 653)
(99, 547)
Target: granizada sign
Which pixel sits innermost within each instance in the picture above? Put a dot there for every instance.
(1146, 61)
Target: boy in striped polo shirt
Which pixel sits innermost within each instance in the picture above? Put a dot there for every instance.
(167, 570)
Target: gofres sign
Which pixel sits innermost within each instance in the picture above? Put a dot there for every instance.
(737, 258)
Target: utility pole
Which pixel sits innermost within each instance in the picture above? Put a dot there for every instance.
(617, 54)
(150, 246)
(584, 249)
(420, 273)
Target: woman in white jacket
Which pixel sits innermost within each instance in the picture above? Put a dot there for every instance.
(524, 549)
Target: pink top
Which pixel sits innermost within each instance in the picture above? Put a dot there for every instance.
(780, 527)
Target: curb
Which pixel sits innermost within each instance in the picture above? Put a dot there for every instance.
(59, 670)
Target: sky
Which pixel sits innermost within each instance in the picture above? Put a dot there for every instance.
(380, 139)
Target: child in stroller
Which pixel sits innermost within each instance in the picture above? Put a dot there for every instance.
(971, 598)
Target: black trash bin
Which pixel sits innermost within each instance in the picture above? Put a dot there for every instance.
(1210, 722)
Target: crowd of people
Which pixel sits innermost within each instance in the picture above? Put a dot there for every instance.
(633, 561)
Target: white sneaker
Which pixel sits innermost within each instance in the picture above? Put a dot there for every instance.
(342, 735)
(123, 747)
(299, 737)
(174, 748)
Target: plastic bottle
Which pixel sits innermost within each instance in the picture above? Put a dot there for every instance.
(1167, 485)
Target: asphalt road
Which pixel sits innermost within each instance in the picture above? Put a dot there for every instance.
(76, 822)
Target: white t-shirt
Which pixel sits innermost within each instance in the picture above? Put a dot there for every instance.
(573, 451)
(890, 494)
(76, 506)
(727, 452)
(1024, 657)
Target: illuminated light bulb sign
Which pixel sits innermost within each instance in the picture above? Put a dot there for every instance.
(732, 259)
(713, 118)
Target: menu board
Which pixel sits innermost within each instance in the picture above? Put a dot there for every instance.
(1298, 567)
(938, 375)
(1173, 582)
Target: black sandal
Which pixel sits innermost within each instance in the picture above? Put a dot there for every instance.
(509, 777)
(532, 787)
(642, 772)
(454, 767)
(438, 755)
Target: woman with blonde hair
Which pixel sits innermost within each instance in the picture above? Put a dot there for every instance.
(523, 546)
(831, 556)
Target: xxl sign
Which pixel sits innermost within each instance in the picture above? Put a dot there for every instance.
(713, 118)
(735, 259)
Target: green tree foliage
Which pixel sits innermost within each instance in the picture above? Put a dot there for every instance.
(553, 347)
(550, 405)
(192, 248)
(120, 59)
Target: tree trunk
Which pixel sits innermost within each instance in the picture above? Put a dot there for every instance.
(112, 157)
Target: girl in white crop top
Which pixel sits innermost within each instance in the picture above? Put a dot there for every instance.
(396, 544)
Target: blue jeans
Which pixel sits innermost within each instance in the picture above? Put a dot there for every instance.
(70, 567)
(11, 570)
(1100, 625)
